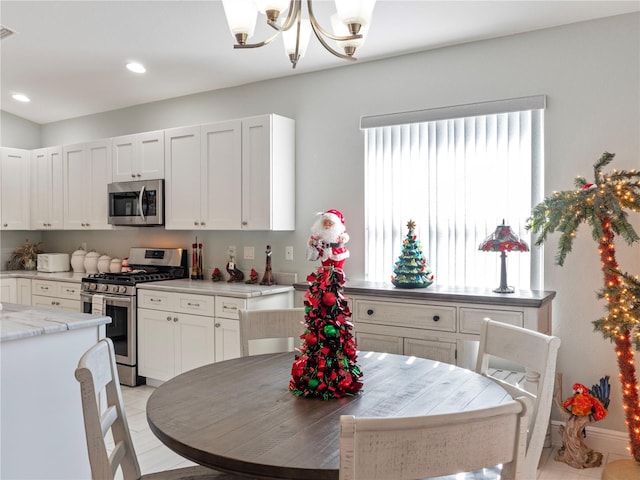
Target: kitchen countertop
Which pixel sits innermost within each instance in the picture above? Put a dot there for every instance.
(22, 321)
(59, 276)
(184, 285)
(207, 287)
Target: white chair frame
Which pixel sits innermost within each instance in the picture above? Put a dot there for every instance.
(103, 411)
(410, 448)
(270, 323)
(537, 353)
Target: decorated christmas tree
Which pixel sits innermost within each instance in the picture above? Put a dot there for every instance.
(325, 366)
(603, 205)
(412, 270)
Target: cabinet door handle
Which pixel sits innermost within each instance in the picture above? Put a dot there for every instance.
(369, 312)
(175, 319)
(154, 300)
(217, 325)
(193, 304)
(195, 223)
(436, 318)
(133, 175)
(169, 318)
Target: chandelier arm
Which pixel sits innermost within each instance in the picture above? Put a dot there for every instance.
(328, 47)
(327, 34)
(294, 13)
(259, 44)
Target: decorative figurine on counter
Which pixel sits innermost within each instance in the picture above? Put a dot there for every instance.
(326, 363)
(253, 277)
(328, 238)
(235, 275)
(216, 275)
(267, 278)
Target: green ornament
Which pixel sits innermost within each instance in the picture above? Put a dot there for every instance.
(330, 331)
(313, 383)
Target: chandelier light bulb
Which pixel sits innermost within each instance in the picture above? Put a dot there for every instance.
(272, 8)
(342, 30)
(355, 13)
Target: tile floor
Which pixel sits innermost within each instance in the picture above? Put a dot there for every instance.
(154, 456)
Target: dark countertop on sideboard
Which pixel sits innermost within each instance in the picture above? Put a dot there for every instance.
(442, 293)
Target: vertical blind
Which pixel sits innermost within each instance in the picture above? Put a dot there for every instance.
(457, 178)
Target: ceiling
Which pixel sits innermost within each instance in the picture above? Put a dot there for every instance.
(69, 56)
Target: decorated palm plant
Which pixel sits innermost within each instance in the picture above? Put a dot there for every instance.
(604, 205)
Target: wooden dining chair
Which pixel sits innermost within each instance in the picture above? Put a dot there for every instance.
(272, 324)
(103, 411)
(536, 353)
(410, 448)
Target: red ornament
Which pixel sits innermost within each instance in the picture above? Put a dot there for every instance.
(328, 298)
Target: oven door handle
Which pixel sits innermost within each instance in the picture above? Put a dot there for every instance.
(140, 203)
(115, 300)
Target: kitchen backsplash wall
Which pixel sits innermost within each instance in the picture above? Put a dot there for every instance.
(215, 246)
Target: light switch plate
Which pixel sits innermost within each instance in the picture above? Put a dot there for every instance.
(249, 253)
(288, 253)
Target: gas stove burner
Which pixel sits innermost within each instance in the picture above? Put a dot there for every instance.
(148, 265)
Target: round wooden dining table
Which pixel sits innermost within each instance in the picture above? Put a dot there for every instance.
(239, 415)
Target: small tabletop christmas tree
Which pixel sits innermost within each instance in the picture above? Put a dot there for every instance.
(326, 365)
(412, 270)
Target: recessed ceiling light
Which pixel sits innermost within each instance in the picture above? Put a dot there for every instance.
(136, 67)
(21, 97)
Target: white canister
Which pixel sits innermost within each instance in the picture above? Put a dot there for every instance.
(91, 262)
(104, 263)
(77, 260)
(115, 266)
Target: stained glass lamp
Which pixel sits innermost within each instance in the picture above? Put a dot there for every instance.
(503, 240)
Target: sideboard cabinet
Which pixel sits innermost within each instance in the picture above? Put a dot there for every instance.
(440, 323)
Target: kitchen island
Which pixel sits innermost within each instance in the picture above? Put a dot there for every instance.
(41, 423)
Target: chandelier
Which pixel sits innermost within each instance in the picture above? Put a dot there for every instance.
(350, 25)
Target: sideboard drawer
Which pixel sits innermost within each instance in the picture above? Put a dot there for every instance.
(470, 318)
(430, 317)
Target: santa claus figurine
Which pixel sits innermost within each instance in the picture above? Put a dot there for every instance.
(328, 238)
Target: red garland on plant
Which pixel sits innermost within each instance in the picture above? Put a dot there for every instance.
(326, 364)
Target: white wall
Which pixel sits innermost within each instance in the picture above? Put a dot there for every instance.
(589, 72)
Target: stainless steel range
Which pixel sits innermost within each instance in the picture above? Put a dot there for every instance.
(114, 295)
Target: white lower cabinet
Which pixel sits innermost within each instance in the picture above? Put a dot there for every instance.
(176, 333)
(15, 290)
(171, 343)
(179, 331)
(56, 294)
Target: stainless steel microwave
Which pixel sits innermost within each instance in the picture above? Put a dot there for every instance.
(136, 203)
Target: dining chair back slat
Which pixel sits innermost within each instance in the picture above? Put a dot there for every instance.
(105, 420)
(536, 353)
(408, 448)
(270, 324)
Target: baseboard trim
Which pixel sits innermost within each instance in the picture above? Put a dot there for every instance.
(599, 439)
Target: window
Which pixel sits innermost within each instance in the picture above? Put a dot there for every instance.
(457, 172)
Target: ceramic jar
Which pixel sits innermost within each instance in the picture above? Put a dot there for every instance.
(104, 263)
(77, 260)
(91, 262)
(115, 266)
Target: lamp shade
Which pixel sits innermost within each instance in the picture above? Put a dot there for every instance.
(355, 11)
(289, 38)
(342, 30)
(241, 16)
(503, 240)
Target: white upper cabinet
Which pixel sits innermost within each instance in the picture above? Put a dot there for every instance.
(232, 175)
(15, 189)
(87, 172)
(47, 189)
(221, 153)
(138, 157)
(268, 173)
(183, 189)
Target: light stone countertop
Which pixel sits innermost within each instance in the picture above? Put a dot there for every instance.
(223, 288)
(22, 321)
(34, 274)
